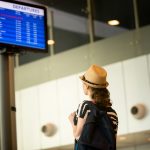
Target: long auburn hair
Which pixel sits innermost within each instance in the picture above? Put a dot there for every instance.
(101, 96)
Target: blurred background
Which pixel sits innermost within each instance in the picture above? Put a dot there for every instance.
(113, 34)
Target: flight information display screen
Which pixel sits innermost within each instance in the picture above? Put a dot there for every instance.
(23, 25)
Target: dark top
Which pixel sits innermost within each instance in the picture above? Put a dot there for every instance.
(84, 108)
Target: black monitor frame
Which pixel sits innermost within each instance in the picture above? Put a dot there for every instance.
(12, 48)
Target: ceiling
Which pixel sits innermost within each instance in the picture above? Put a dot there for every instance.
(104, 10)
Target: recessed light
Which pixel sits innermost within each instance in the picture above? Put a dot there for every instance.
(113, 22)
(51, 42)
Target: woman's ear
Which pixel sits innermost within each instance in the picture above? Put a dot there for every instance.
(87, 86)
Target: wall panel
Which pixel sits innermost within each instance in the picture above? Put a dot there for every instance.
(137, 91)
(30, 118)
(68, 101)
(48, 113)
(19, 120)
(117, 94)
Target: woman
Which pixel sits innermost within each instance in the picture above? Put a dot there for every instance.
(95, 87)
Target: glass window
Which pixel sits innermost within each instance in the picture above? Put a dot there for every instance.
(70, 24)
(143, 7)
(66, 40)
(109, 10)
(27, 57)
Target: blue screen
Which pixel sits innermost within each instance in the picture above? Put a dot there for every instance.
(22, 25)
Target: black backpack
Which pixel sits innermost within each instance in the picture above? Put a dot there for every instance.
(98, 132)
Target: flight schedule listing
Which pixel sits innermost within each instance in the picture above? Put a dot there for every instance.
(22, 25)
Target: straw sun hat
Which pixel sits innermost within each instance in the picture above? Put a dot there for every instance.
(95, 77)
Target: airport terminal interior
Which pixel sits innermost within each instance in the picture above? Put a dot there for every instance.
(111, 33)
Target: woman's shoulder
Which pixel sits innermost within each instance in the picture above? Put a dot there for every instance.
(85, 103)
(83, 109)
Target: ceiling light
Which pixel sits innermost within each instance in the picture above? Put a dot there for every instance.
(50, 42)
(113, 22)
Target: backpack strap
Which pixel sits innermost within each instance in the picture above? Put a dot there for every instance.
(95, 108)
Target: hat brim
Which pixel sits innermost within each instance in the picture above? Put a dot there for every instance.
(93, 85)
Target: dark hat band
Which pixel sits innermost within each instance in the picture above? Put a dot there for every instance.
(92, 82)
